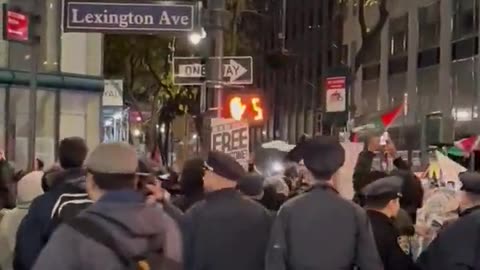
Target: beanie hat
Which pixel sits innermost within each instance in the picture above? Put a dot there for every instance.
(29, 187)
(113, 158)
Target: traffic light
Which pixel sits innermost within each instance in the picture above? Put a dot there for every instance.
(244, 105)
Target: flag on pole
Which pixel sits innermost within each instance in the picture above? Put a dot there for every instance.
(380, 123)
(468, 145)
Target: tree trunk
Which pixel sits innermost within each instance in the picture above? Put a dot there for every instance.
(234, 37)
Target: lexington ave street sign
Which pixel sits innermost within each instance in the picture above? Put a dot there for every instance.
(129, 16)
(191, 70)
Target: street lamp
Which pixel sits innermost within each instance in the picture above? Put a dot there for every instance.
(137, 133)
(197, 36)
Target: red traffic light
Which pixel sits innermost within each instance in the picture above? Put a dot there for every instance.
(244, 106)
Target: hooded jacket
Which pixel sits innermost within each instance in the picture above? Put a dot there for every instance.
(41, 220)
(29, 187)
(136, 227)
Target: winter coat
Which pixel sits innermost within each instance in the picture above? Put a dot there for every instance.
(137, 228)
(40, 222)
(321, 230)
(456, 247)
(386, 238)
(226, 231)
(29, 187)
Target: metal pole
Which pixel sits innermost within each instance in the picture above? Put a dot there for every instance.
(217, 11)
(423, 141)
(203, 97)
(32, 105)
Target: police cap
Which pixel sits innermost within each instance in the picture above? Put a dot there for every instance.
(323, 156)
(389, 187)
(224, 165)
(470, 181)
(251, 185)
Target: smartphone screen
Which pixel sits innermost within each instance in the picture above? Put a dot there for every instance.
(384, 138)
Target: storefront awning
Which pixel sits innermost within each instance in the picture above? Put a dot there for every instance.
(58, 80)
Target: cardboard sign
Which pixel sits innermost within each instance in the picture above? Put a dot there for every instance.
(231, 137)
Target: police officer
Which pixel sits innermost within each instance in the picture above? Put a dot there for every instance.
(319, 229)
(382, 201)
(457, 246)
(226, 230)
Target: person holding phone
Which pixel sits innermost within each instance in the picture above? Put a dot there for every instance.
(374, 145)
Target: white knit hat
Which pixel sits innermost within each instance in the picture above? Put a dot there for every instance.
(29, 187)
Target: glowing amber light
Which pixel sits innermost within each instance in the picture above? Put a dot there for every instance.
(258, 109)
(237, 108)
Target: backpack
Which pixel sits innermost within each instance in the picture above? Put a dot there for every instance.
(153, 260)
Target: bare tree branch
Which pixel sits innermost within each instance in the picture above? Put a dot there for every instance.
(370, 36)
(130, 66)
(361, 18)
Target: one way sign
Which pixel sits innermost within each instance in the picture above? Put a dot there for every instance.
(191, 71)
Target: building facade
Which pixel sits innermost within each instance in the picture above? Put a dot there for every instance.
(301, 42)
(426, 55)
(69, 92)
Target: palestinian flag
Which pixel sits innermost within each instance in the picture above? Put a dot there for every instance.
(468, 145)
(380, 123)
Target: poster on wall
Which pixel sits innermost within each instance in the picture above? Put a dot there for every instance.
(113, 93)
(231, 137)
(336, 99)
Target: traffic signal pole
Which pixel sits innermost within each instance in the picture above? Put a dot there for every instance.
(216, 15)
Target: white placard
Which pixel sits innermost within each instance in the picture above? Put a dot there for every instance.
(113, 93)
(231, 137)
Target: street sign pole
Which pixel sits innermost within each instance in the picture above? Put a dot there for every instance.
(215, 63)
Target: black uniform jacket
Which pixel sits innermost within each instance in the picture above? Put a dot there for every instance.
(226, 231)
(321, 230)
(386, 236)
(457, 247)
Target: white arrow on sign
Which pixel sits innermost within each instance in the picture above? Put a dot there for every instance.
(232, 70)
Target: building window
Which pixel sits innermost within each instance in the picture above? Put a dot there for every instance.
(428, 58)
(344, 56)
(465, 18)
(397, 88)
(464, 89)
(19, 125)
(398, 65)
(46, 127)
(465, 48)
(428, 89)
(370, 102)
(399, 35)
(372, 53)
(429, 25)
(371, 72)
(80, 116)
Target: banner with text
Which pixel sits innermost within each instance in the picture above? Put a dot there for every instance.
(133, 16)
(336, 99)
(231, 137)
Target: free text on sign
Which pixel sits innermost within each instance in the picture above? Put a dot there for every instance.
(232, 138)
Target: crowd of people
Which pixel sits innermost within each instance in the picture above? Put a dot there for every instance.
(108, 209)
